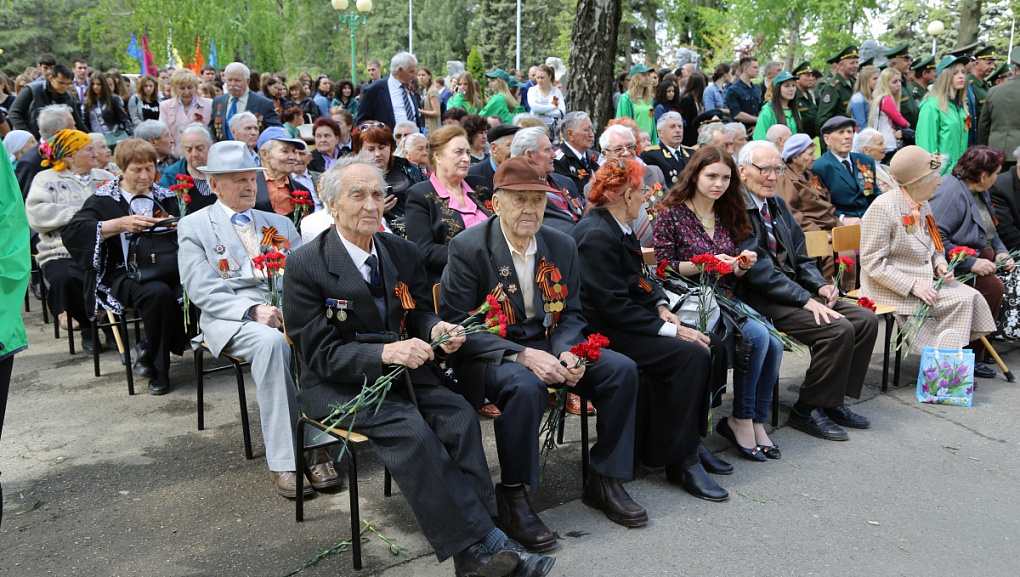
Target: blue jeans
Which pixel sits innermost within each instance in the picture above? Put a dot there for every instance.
(752, 389)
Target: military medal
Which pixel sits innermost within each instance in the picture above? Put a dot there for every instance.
(504, 271)
(512, 289)
(219, 249)
(339, 306)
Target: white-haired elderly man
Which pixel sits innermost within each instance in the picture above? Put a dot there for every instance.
(392, 99)
(716, 134)
(348, 326)
(195, 141)
(237, 99)
(669, 155)
(217, 246)
(778, 134)
(574, 157)
(52, 119)
(785, 286)
(158, 135)
(565, 206)
(618, 141)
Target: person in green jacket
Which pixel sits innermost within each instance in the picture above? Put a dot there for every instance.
(638, 102)
(783, 104)
(467, 95)
(943, 119)
(502, 102)
(15, 267)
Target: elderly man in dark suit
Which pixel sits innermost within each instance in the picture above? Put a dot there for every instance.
(534, 272)
(236, 99)
(392, 99)
(426, 435)
(785, 286)
(481, 174)
(565, 204)
(574, 157)
(849, 176)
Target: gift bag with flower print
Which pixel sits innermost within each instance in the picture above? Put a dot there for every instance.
(946, 376)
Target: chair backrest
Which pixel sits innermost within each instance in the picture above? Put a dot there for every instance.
(845, 238)
(435, 297)
(817, 244)
(648, 254)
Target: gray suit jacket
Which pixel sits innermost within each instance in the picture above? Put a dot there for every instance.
(206, 238)
(959, 221)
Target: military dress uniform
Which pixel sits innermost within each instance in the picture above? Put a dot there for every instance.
(580, 170)
(672, 162)
(836, 94)
(919, 68)
(807, 102)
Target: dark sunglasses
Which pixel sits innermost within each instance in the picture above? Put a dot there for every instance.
(368, 125)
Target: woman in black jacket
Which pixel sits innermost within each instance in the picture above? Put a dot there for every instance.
(104, 112)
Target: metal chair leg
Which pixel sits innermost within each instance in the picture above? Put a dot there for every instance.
(585, 457)
(299, 466)
(95, 339)
(352, 478)
(200, 388)
(387, 482)
(889, 322)
(243, 401)
(127, 352)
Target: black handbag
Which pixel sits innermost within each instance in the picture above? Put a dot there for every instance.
(152, 254)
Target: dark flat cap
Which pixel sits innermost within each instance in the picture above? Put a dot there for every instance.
(501, 130)
(837, 123)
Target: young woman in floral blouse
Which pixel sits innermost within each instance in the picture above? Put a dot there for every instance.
(705, 213)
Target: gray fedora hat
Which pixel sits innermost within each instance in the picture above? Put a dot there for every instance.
(229, 156)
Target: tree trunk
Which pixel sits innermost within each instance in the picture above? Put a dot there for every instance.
(590, 86)
(628, 50)
(794, 42)
(970, 17)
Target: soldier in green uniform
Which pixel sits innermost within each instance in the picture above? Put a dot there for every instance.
(1000, 75)
(984, 65)
(807, 100)
(899, 58)
(924, 75)
(829, 72)
(836, 93)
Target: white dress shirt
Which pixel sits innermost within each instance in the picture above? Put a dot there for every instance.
(524, 266)
(397, 91)
(359, 256)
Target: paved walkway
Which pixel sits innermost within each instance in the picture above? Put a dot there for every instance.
(128, 486)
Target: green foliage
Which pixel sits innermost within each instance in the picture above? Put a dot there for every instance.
(31, 27)
(475, 65)
(493, 31)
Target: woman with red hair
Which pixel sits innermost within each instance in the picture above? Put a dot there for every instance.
(624, 303)
(376, 140)
(703, 213)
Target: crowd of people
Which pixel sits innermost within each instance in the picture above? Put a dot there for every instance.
(382, 196)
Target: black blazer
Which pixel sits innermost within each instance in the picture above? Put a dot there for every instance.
(334, 364)
(578, 170)
(29, 166)
(788, 278)
(479, 262)
(318, 163)
(375, 104)
(258, 105)
(554, 217)
(616, 291)
(1005, 203)
(430, 223)
(480, 177)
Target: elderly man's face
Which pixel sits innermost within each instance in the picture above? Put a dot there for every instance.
(500, 150)
(520, 213)
(236, 190)
(848, 66)
(723, 140)
(582, 136)
(162, 144)
(358, 209)
(543, 155)
(196, 149)
(247, 132)
(404, 76)
(235, 82)
(840, 141)
(281, 157)
(761, 176)
(672, 132)
(620, 146)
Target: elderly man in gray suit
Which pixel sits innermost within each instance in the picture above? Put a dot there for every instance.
(216, 250)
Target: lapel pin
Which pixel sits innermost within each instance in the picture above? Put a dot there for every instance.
(504, 271)
(512, 289)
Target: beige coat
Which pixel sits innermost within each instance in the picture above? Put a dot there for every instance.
(893, 259)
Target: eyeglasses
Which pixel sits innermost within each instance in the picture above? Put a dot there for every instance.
(401, 135)
(368, 125)
(778, 169)
(619, 150)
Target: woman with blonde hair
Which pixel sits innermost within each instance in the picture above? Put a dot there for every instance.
(638, 102)
(502, 103)
(943, 118)
(860, 102)
(184, 108)
(885, 114)
(467, 95)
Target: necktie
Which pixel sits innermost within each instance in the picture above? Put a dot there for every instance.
(373, 275)
(849, 168)
(767, 218)
(230, 114)
(240, 219)
(409, 106)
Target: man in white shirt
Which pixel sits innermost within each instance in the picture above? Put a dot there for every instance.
(392, 99)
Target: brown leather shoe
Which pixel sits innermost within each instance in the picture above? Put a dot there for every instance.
(489, 411)
(286, 484)
(574, 405)
(609, 496)
(518, 519)
(321, 470)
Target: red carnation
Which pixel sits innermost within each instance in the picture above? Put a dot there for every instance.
(961, 252)
(661, 270)
(867, 303)
(845, 263)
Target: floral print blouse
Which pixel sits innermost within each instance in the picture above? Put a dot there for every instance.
(679, 237)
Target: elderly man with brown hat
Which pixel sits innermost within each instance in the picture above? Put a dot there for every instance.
(534, 272)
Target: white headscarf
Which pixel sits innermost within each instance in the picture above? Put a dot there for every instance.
(15, 141)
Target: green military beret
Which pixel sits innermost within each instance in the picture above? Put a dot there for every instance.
(922, 65)
(901, 51)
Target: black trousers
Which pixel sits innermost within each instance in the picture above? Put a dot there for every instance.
(610, 384)
(673, 395)
(162, 316)
(67, 289)
(6, 367)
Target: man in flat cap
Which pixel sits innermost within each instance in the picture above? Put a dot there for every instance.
(480, 175)
(836, 93)
(849, 176)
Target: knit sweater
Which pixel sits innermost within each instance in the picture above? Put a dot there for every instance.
(53, 199)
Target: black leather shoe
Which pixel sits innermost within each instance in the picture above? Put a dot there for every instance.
(477, 561)
(532, 564)
(771, 451)
(847, 418)
(713, 464)
(518, 519)
(817, 424)
(609, 496)
(142, 365)
(982, 371)
(159, 387)
(694, 479)
(88, 345)
(727, 433)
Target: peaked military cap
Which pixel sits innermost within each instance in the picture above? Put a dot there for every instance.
(987, 53)
(926, 64)
(901, 51)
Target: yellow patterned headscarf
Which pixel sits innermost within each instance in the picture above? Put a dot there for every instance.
(62, 144)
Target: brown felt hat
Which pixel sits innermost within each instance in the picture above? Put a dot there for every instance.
(521, 174)
(912, 163)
